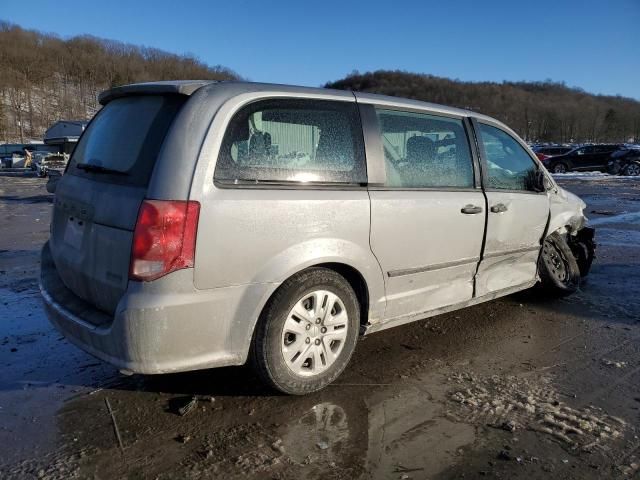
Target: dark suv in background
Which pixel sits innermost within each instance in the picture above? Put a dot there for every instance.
(586, 158)
(625, 161)
(551, 151)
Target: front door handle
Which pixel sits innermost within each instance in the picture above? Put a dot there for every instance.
(499, 208)
(471, 209)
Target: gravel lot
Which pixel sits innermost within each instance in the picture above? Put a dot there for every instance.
(521, 387)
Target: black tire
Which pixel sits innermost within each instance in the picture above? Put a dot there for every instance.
(560, 167)
(614, 167)
(633, 169)
(558, 268)
(266, 354)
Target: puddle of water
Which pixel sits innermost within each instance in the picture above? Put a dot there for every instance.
(395, 432)
(409, 431)
(41, 371)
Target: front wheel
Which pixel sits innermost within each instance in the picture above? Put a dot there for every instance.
(307, 333)
(632, 170)
(560, 168)
(558, 268)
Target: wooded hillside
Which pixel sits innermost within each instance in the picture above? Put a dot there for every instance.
(44, 78)
(538, 111)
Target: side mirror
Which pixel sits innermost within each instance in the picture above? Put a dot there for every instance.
(52, 183)
(539, 181)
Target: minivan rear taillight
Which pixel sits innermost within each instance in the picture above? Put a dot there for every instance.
(164, 239)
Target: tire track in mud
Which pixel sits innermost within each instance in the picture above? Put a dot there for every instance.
(514, 402)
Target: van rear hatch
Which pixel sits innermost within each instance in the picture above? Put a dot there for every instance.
(98, 199)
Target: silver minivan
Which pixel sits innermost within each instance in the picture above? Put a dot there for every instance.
(203, 224)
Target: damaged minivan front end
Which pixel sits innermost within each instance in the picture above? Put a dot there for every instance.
(567, 219)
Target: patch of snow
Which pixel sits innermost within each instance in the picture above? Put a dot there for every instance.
(592, 176)
(533, 404)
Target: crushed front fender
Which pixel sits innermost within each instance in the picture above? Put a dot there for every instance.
(583, 246)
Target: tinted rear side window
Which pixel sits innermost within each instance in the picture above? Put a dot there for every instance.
(126, 136)
(293, 141)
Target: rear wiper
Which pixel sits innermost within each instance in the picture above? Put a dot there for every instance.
(90, 167)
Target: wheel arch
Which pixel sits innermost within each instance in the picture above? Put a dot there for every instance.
(357, 282)
(354, 277)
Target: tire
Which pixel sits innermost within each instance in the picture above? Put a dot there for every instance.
(633, 169)
(302, 351)
(558, 268)
(560, 167)
(614, 168)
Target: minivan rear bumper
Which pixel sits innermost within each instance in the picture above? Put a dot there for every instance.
(154, 331)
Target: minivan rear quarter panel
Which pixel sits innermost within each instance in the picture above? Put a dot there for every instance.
(254, 235)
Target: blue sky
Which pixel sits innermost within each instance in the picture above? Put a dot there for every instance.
(587, 43)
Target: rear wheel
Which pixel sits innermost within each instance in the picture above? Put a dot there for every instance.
(559, 271)
(307, 332)
(560, 168)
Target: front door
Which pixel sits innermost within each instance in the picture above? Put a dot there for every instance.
(517, 215)
(427, 220)
(602, 155)
(584, 158)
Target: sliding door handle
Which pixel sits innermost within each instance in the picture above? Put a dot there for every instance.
(471, 209)
(499, 208)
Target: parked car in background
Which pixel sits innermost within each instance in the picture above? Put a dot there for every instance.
(550, 151)
(47, 163)
(625, 161)
(36, 158)
(203, 224)
(587, 158)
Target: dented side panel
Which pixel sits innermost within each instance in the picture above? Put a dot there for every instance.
(512, 240)
(428, 249)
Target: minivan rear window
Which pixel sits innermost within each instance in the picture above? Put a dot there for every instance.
(122, 142)
(293, 141)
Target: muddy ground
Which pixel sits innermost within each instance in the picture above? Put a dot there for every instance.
(522, 387)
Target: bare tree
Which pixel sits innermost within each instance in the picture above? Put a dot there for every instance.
(44, 78)
(539, 111)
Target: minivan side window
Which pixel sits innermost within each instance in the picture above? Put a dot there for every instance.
(287, 140)
(425, 151)
(509, 165)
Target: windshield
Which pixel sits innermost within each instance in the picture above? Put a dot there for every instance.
(125, 137)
